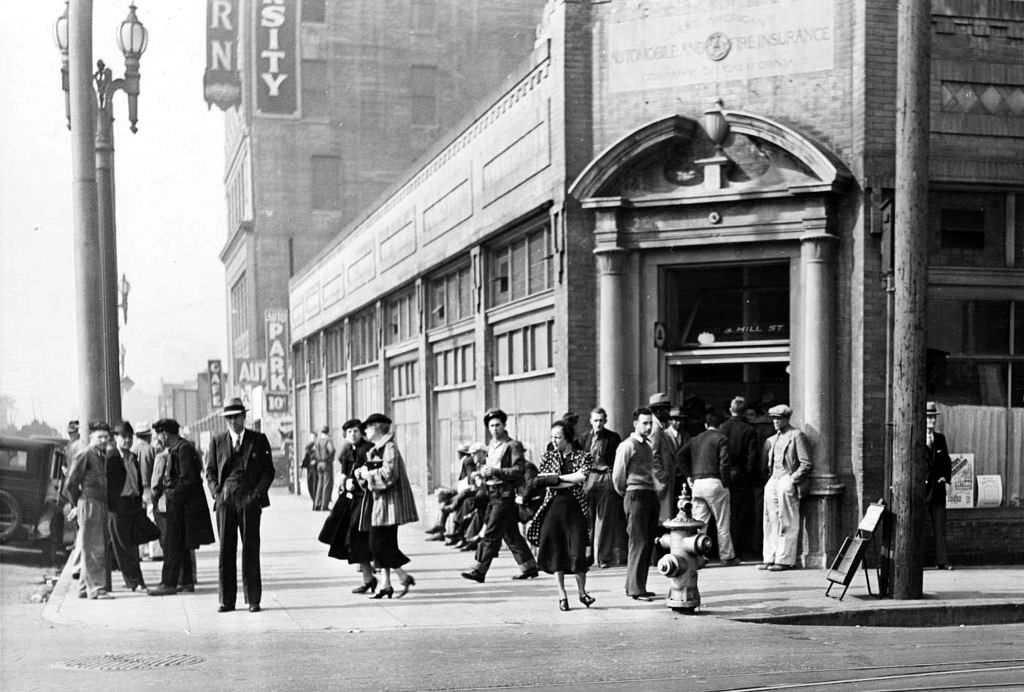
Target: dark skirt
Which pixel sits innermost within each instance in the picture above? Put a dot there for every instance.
(341, 532)
(563, 537)
(384, 547)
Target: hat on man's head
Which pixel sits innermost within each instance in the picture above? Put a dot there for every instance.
(326, 429)
(96, 425)
(234, 407)
(931, 409)
(676, 413)
(375, 419)
(463, 448)
(166, 425)
(659, 399)
(351, 423)
(124, 429)
(738, 405)
(477, 447)
(72, 426)
(143, 429)
(780, 411)
(570, 418)
(495, 413)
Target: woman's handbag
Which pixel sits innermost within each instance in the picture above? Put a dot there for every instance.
(597, 482)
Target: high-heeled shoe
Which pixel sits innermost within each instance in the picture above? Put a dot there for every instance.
(587, 600)
(386, 592)
(406, 583)
(369, 586)
(563, 604)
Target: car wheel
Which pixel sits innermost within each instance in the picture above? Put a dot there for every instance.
(10, 516)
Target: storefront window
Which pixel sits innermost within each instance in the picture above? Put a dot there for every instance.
(975, 371)
(967, 229)
(709, 305)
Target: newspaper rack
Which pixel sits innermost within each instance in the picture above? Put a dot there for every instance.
(851, 553)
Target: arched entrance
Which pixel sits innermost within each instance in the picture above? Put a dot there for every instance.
(715, 245)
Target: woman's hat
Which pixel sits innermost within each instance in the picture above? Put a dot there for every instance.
(375, 418)
(495, 413)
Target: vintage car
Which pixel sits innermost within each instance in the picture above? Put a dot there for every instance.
(31, 477)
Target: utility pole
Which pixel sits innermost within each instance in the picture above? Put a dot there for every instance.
(913, 56)
(82, 107)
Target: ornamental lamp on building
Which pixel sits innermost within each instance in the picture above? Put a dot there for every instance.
(716, 125)
(60, 37)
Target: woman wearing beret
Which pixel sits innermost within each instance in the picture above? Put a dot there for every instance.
(560, 529)
(393, 504)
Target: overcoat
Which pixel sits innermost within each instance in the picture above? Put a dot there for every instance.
(386, 478)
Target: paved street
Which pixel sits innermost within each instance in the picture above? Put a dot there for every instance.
(452, 634)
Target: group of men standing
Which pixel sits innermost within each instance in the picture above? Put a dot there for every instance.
(109, 485)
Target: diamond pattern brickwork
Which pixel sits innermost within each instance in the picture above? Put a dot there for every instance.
(1005, 100)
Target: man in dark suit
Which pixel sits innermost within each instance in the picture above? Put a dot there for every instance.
(186, 514)
(940, 469)
(239, 471)
(609, 529)
(124, 498)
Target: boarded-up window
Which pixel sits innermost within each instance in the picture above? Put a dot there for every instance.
(315, 89)
(423, 86)
(327, 182)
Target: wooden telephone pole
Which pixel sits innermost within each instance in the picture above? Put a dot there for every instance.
(913, 67)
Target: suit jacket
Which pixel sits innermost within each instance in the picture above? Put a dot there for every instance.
(796, 457)
(939, 466)
(257, 463)
(603, 451)
(87, 476)
(117, 473)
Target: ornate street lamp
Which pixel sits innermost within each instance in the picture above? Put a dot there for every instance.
(60, 37)
(132, 39)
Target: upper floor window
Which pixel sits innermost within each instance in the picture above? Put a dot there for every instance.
(424, 15)
(402, 318)
(363, 328)
(968, 229)
(423, 88)
(314, 359)
(521, 268)
(455, 366)
(314, 11)
(327, 182)
(525, 350)
(299, 362)
(451, 297)
(240, 306)
(403, 379)
(335, 350)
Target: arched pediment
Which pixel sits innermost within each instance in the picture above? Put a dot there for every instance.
(675, 157)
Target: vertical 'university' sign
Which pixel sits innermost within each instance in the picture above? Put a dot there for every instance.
(276, 61)
(277, 361)
(221, 83)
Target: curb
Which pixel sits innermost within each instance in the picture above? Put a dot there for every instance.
(51, 611)
(961, 614)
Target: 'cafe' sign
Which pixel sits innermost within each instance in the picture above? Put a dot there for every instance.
(276, 59)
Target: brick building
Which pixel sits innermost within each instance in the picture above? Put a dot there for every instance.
(598, 230)
(359, 91)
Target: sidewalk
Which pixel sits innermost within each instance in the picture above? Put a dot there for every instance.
(304, 590)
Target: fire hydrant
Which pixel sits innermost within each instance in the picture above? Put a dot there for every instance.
(687, 550)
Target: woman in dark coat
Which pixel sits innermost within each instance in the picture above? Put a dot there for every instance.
(560, 529)
(341, 530)
(393, 503)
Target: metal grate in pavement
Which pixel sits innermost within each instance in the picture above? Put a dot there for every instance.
(129, 662)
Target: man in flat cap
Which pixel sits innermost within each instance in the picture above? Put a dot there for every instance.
(186, 514)
(239, 471)
(323, 454)
(86, 488)
(787, 454)
(502, 473)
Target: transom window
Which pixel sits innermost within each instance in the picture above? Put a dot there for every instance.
(521, 268)
(365, 347)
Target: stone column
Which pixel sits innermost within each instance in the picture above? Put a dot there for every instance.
(818, 270)
(613, 331)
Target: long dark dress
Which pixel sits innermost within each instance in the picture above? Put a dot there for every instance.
(561, 527)
(342, 528)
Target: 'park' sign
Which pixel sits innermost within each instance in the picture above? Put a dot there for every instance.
(277, 361)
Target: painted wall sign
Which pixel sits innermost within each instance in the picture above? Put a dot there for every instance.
(213, 368)
(222, 85)
(276, 61)
(277, 361)
(250, 371)
(676, 44)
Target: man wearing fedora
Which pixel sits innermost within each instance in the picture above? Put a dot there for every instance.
(502, 473)
(787, 454)
(663, 446)
(239, 471)
(940, 470)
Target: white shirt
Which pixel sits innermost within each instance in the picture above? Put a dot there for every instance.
(236, 439)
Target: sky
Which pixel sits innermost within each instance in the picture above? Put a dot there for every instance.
(170, 209)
